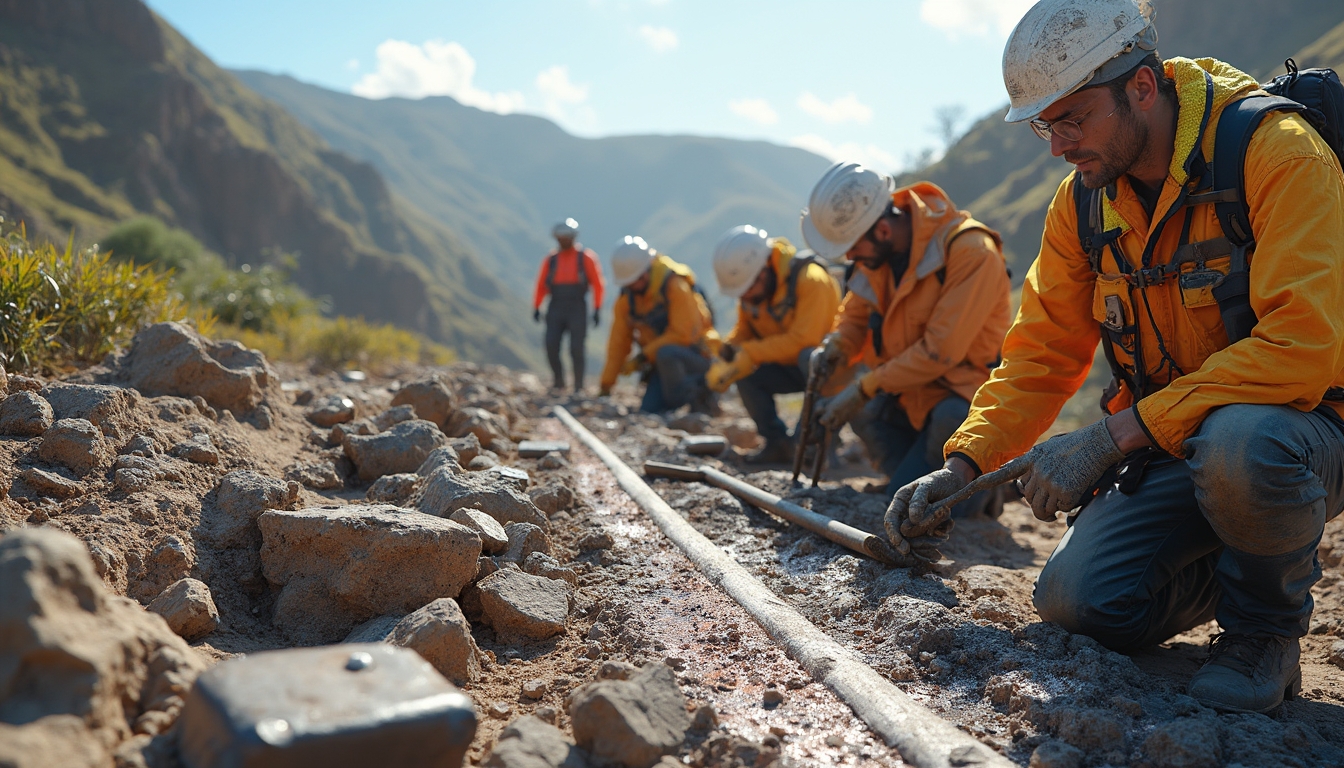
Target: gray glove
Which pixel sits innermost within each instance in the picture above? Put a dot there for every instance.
(837, 411)
(830, 347)
(906, 519)
(1063, 468)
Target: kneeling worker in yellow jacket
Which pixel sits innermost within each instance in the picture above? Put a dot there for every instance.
(786, 304)
(660, 309)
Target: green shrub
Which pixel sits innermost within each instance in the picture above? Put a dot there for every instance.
(146, 240)
(340, 343)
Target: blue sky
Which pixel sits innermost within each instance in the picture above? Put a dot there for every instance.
(861, 79)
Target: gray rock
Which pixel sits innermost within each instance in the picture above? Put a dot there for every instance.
(631, 722)
(1336, 656)
(375, 630)
(482, 463)
(489, 428)
(1056, 754)
(547, 567)
(331, 410)
(339, 566)
(595, 540)
(552, 497)
(76, 444)
(49, 484)
(616, 670)
(131, 480)
(394, 489)
(188, 608)
(514, 476)
(1092, 730)
(691, 423)
(528, 742)
(524, 539)
(108, 408)
(431, 398)
(444, 493)
(467, 448)
(340, 432)
(443, 456)
(493, 538)
(517, 603)
(440, 633)
(140, 445)
(552, 460)
(241, 497)
(393, 416)
(320, 476)
(401, 449)
(198, 449)
(917, 625)
(173, 359)
(25, 414)
(1185, 743)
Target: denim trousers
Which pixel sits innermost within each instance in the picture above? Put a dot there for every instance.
(678, 376)
(759, 389)
(1229, 532)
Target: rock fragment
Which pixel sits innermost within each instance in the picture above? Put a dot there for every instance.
(443, 456)
(240, 498)
(467, 448)
(552, 497)
(173, 359)
(431, 398)
(50, 484)
(394, 416)
(320, 476)
(1336, 656)
(106, 407)
(595, 540)
(394, 489)
(631, 722)
(524, 539)
(198, 449)
(331, 410)
(1056, 754)
(440, 633)
(76, 444)
(552, 460)
(528, 742)
(517, 603)
(1185, 743)
(547, 567)
(493, 538)
(25, 414)
(445, 492)
(401, 449)
(188, 608)
(492, 430)
(535, 688)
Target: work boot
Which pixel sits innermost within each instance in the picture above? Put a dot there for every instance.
(1248, 673)
(777, 451)
(707, 402)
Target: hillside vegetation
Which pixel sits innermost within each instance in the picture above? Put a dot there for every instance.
(106, 113)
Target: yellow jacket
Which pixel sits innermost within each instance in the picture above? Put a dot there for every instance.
(688, 317)
(1295, 190)
(764, 338)
(942, 324)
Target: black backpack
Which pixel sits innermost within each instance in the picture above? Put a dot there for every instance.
(1318, 96)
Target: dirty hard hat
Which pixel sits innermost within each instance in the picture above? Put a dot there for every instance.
(847, 201)
(631, 259)
(568, 228)
(738, 258)
(1060, 46)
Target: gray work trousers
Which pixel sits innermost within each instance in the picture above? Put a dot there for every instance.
(566, 313)
(678, 379)
(1230, 532)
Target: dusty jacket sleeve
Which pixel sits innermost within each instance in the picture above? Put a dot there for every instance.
(742, 331)
(976, 281)
(618, 343)
(683, 318)
(1297, 347)
(594, 269)
(817, 301)
(540, 293)
(851, 322)
(1047, 353)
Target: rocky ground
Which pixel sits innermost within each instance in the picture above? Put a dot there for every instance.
(216, 505)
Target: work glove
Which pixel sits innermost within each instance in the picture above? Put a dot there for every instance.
(597, 317)
(728, 352)
(1065, 467)
(536, 315)
(908, 521)
(722, 373)
(836, 412)
(634, 364)
(831, 352)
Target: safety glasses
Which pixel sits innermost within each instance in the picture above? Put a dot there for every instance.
(1068, 130)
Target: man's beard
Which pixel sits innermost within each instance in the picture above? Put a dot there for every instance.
(886, 255)
(1124, 153)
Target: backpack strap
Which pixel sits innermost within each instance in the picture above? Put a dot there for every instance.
(550, 269)
(796, 267)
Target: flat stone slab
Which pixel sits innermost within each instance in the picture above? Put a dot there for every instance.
(535, 449)
(704, 445)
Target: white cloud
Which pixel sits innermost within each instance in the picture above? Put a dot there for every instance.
(660, 39)
(977, 18)
(352, 65)
(840, 110)
(558, 92)
(755, 110)
(433, 69)
(868, 154)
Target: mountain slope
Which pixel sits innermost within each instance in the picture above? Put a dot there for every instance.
(106, 111)
(503, 180)
(1006, 176)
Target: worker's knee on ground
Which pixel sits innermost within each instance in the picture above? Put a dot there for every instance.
(1067, 598)
(1252, 482)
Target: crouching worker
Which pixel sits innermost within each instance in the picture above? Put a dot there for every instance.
(786, 304)
(926, 309)
(661, 309)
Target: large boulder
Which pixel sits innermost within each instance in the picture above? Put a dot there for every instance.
(173, 359)
(109, 408)
(76, 659)
(445, 492)
(632, 722)
(401, 449)
(77, 445)
(339, 566)
(432, 399)
(240, 498)
(25, 414)
(517, 603)
(440, 633)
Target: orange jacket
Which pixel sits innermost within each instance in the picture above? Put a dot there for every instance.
(764, 339)
(567, 273)
(688, 318)
(1295, 191)
(943, 323)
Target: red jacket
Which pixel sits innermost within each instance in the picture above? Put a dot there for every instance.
(567, 273)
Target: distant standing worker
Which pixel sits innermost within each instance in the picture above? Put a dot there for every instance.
(786, 304)
(661, 309)
(567, 274)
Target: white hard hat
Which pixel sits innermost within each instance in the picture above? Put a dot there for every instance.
(738, 258)
(631, 259)
(568, 228)
(1062, 45)
(844, 205)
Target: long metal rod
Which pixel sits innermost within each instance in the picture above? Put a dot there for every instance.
(923, 739)
(846, 536)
